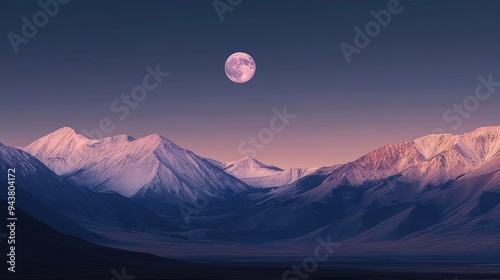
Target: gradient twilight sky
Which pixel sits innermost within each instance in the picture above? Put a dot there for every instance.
(426, 60)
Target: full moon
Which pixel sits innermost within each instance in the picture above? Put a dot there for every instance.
(240, 67)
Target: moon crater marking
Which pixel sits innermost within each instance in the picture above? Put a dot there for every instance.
(240, 67)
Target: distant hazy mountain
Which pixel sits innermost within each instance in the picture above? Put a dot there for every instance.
(258, 174)
(151, 166)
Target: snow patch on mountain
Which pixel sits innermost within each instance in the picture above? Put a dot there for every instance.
(258, 174)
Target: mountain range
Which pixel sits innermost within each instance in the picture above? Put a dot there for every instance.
(438, 190)
(60, 203)
(151, 165)
(445, 182)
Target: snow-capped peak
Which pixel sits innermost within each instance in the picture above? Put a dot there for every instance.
(65, 131)
(487, 130)
(482, 143)
(258, 174)
(132, 167)
(434, 144)
(429, 160)
(250, 163)
(431, 145)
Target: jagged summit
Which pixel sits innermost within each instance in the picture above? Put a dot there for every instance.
(249, 162)
(132, 167)
(487, 129)
(65, 130)
(431, 160)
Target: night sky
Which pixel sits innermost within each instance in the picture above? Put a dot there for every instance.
(426, 60)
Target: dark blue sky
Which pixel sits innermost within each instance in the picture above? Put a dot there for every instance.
(426, 60)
